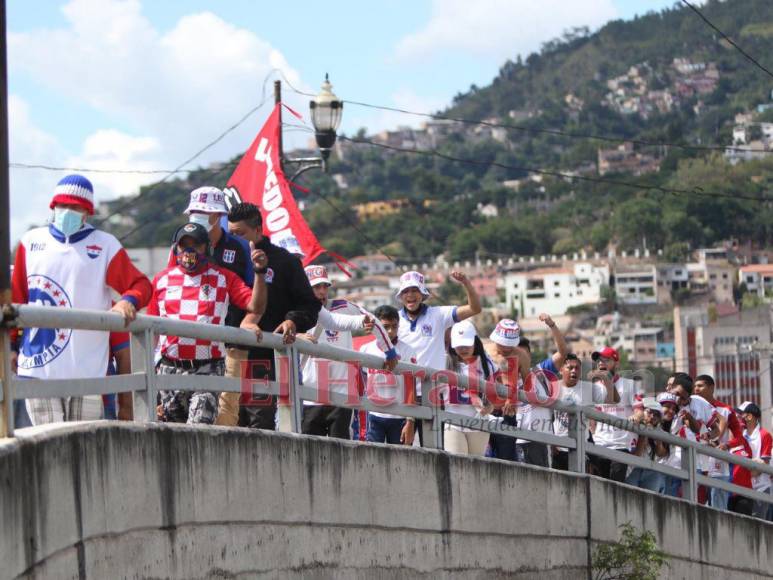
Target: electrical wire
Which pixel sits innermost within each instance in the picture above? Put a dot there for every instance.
(746, 55)
(133, 200)
(552, 173)
(538, 130)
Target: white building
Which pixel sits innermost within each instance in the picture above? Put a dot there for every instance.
(553, 290)
(375, 264)
(636, 284)
(758, 279)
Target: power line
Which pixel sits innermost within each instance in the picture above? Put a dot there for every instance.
(175, 201)
(748, 57)
(133, 200)
(552, 173)
(92, 169)
(538, 130)
(352, 223)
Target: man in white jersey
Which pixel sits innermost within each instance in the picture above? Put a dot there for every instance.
(337, 319)
(573, 391)
(423, 327)
(69, 264)
(384, 387)
(621, 406)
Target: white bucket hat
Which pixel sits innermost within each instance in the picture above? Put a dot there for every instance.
(463, 334)
(412, 279)
(207, 200)
(506, 333)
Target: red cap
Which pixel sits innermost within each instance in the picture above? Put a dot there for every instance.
(606, 352)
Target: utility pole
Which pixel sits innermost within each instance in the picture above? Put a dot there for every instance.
(6, 408)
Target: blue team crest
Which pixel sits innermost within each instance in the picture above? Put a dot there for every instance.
(40, 346)
(426, 330)
(229, 256)
(332, 335)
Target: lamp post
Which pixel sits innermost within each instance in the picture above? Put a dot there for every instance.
(326, 111)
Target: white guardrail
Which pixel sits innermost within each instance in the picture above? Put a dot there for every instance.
(145, 384)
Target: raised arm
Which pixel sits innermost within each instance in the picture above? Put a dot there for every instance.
(473, 301)
(562, 349)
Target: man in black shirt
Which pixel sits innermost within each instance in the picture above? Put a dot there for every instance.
(291, 308)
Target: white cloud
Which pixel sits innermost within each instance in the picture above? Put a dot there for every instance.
(172, 91)
(499, 28)
(30, 189)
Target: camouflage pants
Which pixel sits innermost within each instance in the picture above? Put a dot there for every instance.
(192, 407)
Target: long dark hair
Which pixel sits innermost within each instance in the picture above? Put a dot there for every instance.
(477, 350)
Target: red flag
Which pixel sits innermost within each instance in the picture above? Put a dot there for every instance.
(259, 179)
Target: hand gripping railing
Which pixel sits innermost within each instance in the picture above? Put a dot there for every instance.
(146, 384)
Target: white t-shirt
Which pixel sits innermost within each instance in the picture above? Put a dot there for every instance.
(717, 468)
(607, 435)
(704, 413)
(457, 400)
(334, 326)
(426, 335)
(383, 385)
(536, 416)
(583, 393)
(760, 442)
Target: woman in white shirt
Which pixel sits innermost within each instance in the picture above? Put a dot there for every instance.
(468, 358)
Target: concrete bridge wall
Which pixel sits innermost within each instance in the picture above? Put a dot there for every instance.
(112, 500)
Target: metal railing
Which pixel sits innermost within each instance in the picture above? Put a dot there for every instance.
(145, 384)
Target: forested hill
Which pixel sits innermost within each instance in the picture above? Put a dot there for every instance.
(664, 78)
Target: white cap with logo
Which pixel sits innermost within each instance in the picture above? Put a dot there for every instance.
(317, 275)
(463, 334)
(412, 279)
(207, 199)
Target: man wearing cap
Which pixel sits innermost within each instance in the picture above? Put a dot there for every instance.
(337, 319)
(70, 264)
(669, 455)
(621, 406)
(761, 444)
(197, 290)
(423, 327)
(291, 308)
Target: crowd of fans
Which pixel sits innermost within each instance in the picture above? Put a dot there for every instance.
(223, 271)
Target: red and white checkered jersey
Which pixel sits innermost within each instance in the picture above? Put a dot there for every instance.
(202, 297)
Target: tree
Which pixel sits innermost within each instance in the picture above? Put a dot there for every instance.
(634, 557)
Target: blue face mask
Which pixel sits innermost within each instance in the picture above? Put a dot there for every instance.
(67, 221)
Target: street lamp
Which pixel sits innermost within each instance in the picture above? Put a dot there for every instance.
(326, 111)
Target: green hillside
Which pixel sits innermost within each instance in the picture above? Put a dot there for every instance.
(565, 88)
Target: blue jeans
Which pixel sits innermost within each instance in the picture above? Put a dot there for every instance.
(718, 497)
(647, 479)
(673, 486)
(20, 416)
(384, 429)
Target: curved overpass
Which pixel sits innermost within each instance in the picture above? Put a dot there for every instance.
(109, 500)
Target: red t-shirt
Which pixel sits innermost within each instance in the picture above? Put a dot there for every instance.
(742, 476)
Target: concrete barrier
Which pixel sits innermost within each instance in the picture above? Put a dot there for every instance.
(120, 500)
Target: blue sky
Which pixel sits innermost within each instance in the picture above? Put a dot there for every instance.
(116, 84)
